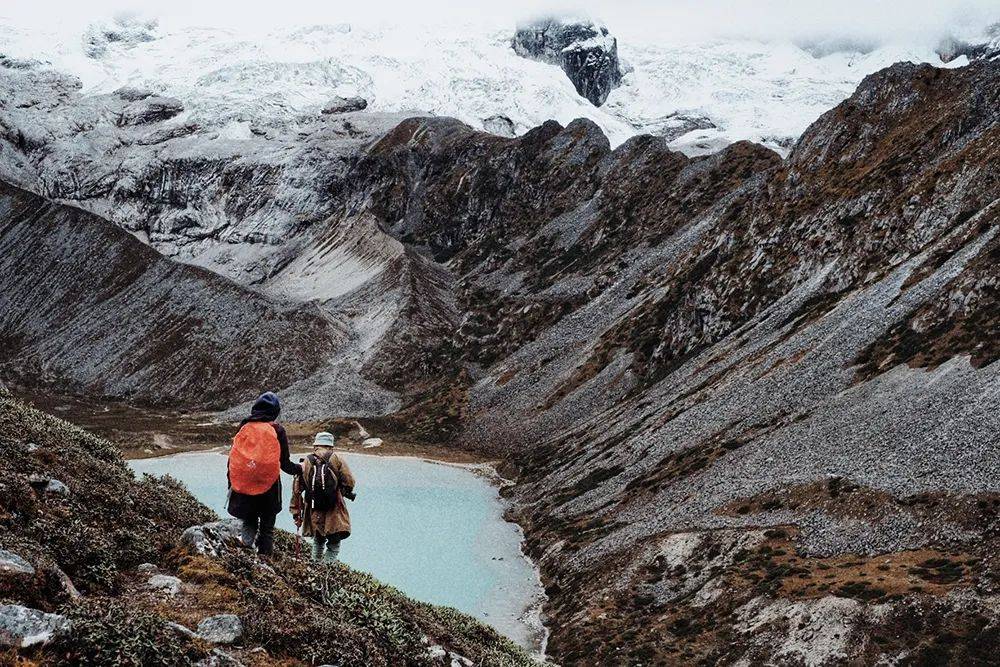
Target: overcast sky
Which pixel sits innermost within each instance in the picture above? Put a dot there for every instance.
(669, 20)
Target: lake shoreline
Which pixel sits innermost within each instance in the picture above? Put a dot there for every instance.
(532, 616)
(460, 459)
(154, 433)
(299, 444)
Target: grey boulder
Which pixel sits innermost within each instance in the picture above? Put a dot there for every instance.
(11, 563)
(221, 629)
(48, 485)
(212, 539)
(21, 627)
(55, 487)
(166, 583)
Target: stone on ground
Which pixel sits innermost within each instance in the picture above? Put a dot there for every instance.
(22, 626)
(180, 629)
(221, 629)
(166, 583)
(66, 584)
(48, 485)
(212, 539)
(11, 563)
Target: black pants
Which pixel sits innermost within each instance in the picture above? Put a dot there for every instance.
(260, 528)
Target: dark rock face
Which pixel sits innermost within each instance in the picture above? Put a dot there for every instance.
(951, 48)
(344, 105)
(150, 109)
(585, 51)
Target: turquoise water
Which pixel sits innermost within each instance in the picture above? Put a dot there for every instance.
(434, 531)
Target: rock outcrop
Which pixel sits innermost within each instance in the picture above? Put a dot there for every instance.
(22, 627)
(586, 51)
(344, 105)
(212, 539)
(151, 109)
(221, 629)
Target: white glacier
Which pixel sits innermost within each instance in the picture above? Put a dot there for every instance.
(705, 93)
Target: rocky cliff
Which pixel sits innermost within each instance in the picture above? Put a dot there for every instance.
(586, 51)
(750, 402)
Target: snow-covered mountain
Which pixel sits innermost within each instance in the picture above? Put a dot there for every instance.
(701, 94)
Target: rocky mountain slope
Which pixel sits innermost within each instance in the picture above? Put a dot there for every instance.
(255, 209)
(99, 568)
(750, 401)
(88, 308)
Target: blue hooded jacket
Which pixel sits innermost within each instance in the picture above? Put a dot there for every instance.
(267, 407)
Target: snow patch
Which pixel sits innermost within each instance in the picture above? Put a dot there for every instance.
(766, 91)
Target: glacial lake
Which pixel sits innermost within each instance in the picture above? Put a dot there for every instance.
(435, 531)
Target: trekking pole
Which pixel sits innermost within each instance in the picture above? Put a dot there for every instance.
(298, 540)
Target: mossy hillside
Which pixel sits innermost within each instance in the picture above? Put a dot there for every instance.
(109, 522)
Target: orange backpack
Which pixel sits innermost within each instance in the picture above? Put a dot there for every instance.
(254, 460)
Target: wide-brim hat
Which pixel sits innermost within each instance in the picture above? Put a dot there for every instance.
(323, 439)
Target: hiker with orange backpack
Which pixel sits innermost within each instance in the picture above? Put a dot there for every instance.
(318, 498)
(260, 450)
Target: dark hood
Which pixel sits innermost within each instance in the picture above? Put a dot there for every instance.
(267, 407)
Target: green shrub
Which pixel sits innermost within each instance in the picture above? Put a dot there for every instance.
(106, 631)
